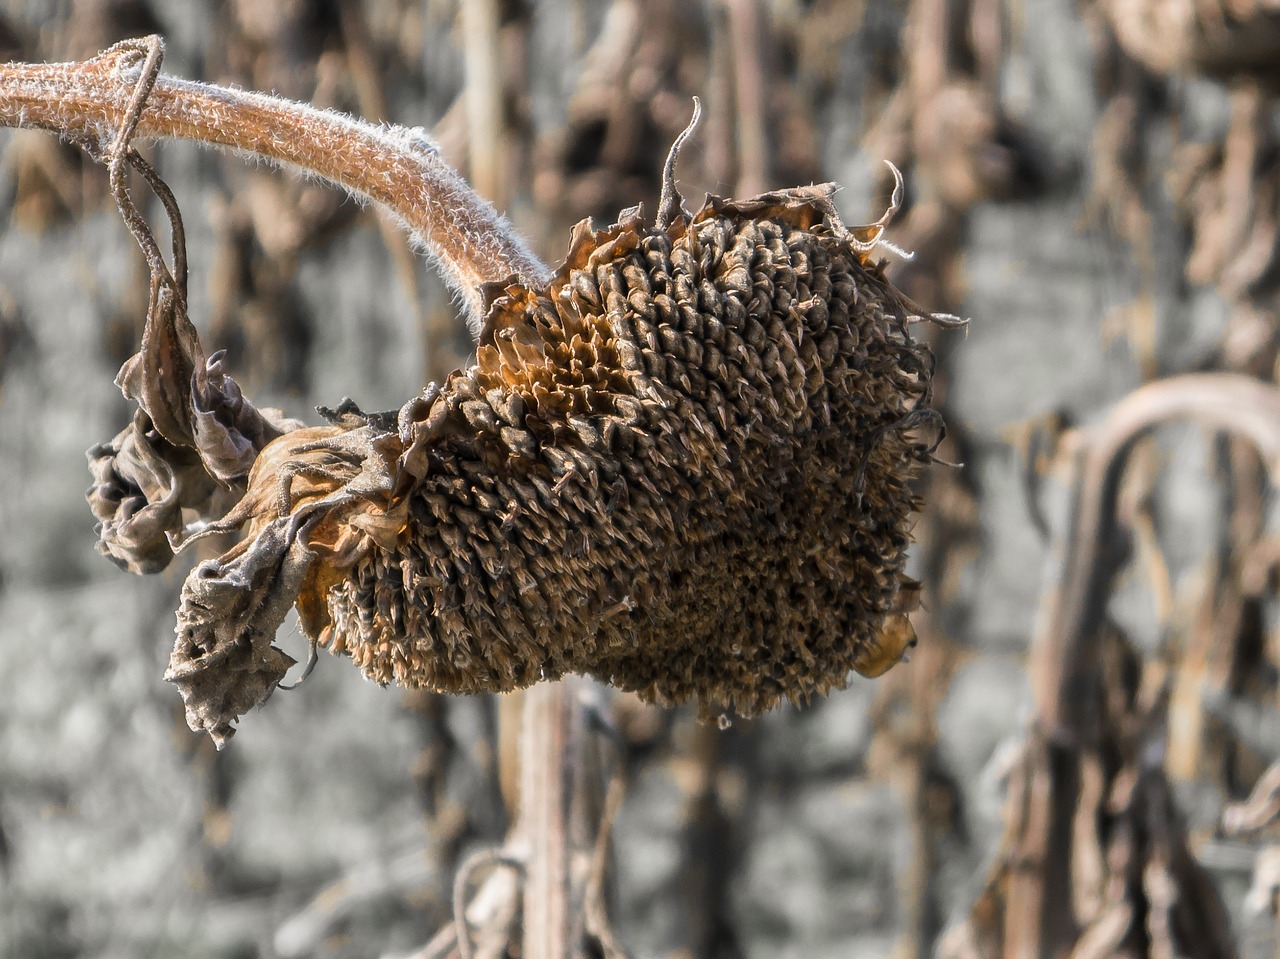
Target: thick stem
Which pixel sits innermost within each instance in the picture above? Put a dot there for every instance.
(394, 166)
(552, 741)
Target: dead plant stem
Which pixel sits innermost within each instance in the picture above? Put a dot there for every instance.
(551, 739)
(1063, 655)
(484, 97)
(393, 166)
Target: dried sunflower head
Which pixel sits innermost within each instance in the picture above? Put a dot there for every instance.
(683, 463)
(685, 466)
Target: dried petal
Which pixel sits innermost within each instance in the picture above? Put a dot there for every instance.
(224, 662)
(141, 484)
(228, 430)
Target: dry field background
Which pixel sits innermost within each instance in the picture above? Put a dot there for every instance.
(1104, 208)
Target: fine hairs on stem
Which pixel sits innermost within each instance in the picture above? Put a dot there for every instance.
(397, 167)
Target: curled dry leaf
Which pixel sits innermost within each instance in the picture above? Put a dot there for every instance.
(228, 431)
(683, 466)
(192, 441)
(192, 402)
(194, 435)
(141, 483)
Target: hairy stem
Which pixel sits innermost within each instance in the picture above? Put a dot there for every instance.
(393, 166)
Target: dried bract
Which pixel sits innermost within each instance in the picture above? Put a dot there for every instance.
(224, 662)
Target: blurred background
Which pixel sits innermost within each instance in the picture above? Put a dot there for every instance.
(1096, 184)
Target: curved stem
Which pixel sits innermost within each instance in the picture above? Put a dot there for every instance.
(1064, 654)
(395, 166)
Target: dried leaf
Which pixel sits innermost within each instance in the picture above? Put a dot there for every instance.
(224, 662)
(141, 485)
(193, 402)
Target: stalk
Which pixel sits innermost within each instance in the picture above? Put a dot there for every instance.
(396, 167)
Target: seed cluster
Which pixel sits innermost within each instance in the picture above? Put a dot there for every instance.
(684, 467)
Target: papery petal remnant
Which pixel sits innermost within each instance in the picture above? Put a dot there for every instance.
(141, 483)
(224, 662)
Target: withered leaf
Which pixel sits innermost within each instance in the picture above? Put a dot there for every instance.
(158, 377)
(141, 483)
(195, 435)
(193, 402)
(224, 662)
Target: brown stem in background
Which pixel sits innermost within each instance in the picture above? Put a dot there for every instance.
(1089, 847)
(929, 35)
(567, 806)
(394, 166)
(1064, 654)
(708, 832)
(1210, 647)
(718, 158)
(551, 738)
(486, 163)
(556, 855)
(751, 95)
(1240, 155)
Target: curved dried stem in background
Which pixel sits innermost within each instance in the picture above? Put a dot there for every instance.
(1064, 653)
(1095, 857)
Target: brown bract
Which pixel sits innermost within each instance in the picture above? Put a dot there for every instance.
(683, 466)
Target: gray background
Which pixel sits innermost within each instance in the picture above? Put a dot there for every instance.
(123, 834)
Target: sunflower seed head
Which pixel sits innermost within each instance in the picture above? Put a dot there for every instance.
(685, 466)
